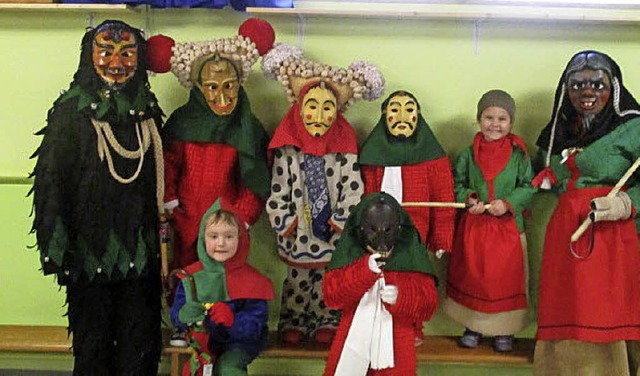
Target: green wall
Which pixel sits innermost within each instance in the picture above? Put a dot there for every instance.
(446, 64)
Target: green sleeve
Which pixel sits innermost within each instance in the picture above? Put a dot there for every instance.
(631, 149)
(461, 177)
(520, 198)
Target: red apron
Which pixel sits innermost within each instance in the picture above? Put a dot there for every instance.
(597, 298)
(486, 271)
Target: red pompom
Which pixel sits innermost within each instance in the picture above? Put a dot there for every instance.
(159, 52)
(259, 32)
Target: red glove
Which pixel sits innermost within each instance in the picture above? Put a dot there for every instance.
(222, 314)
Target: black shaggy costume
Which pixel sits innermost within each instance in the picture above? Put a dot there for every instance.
(97, 234)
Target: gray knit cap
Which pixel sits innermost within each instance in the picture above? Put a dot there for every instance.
(497, 98)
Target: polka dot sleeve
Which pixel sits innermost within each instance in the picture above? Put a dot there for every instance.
(349, 186)
(279, 205)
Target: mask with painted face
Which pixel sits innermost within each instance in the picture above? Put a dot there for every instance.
(401, 116)
(589, 91)
(115, 55)
(219, 84)
(319, 110)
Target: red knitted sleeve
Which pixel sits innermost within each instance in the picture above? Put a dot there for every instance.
(417, 295)
(247, 205)
(343, 288)
(442, 223)
(372, 178)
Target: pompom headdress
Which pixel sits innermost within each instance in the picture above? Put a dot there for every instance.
(255, 37)
(287, 65)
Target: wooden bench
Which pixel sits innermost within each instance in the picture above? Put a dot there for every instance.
(436, 349)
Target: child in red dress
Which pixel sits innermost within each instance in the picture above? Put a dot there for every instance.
(487, 275)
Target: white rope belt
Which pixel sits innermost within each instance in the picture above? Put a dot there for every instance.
(106, 141)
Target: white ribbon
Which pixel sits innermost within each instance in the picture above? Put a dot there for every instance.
(369, 343)
(392, 182)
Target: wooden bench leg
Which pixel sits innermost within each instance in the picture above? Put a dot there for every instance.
(175, 364)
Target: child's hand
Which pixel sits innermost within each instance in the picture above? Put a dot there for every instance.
(222, 314)
(477, 207)
(498, 208)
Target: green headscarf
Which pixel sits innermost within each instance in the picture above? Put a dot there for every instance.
(408, 255)
(383, 149)
(195, 122)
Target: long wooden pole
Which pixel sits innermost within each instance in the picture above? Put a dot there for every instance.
(455, 205)
(623, 180)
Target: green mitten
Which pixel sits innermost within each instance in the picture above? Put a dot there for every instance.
(611, 208)
(191, 312)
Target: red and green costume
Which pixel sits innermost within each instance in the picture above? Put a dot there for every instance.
(207, 157)
(594, 299)
(348, 278)
(234, 283)
(426, 176)
(486, 270)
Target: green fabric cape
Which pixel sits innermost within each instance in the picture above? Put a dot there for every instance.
(116, 103)
(195, 122)
(383, 149)
(408, 255)
(211, 281)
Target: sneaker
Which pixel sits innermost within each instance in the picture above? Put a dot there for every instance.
(179, 339)
(503, 343)
(469, 339)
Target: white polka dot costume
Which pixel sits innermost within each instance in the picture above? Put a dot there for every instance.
(288, 190)
(315, 184)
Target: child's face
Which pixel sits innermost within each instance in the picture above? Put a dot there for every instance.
(221, 240)
(495, 123)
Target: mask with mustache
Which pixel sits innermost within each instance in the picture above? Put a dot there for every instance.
(401, 115)
(319, 110)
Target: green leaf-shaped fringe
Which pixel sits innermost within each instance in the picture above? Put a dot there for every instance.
(110, 256)
(142, 252)
(58, 245)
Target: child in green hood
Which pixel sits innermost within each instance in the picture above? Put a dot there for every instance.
(222, 299)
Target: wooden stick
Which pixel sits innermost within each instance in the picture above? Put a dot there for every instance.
(623, 180)
(455, 205)
(164, 242)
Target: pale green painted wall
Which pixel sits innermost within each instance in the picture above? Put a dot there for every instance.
(441, 62)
